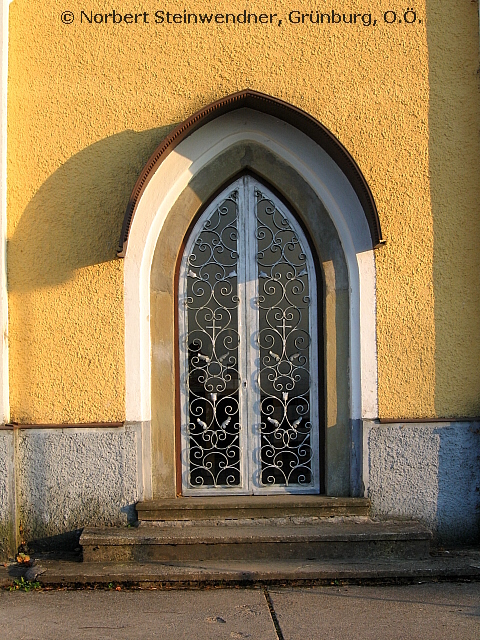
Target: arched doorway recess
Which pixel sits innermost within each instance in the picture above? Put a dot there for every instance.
(318, 189)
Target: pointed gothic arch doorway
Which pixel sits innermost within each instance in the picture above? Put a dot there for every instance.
(248, 347)
(311, 171)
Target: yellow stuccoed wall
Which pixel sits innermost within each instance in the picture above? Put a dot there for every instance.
(87, 104)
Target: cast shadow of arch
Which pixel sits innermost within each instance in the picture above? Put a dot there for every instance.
(74, 219)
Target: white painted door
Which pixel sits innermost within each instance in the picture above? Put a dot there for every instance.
(248, 349)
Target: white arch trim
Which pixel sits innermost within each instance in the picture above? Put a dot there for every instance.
(331, 186)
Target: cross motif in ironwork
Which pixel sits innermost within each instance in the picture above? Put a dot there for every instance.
(284, 326)
(214, 327)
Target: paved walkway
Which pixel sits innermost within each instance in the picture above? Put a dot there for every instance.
(434, 611)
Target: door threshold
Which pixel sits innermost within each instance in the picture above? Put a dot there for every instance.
(259, 506)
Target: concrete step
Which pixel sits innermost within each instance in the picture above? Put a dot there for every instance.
(465, 566)
(360, 538)
(244, 507)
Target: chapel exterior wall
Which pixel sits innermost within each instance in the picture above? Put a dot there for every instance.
(87, 105)
(403, 99)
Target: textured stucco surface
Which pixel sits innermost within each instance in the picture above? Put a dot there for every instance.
(68, 479)
(454, 161)
(430, 472)
(6, 511)
(88, 104)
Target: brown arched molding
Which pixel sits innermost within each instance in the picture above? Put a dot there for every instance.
(274, 107)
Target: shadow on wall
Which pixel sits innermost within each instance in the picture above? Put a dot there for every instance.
(72, 223)
(454, 153)
(74, 219)
(429, 472)
(458, 502)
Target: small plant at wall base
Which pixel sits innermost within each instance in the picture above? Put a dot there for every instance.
(20, 584)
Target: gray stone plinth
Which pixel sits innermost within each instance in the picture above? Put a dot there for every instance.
(426, 471)
(460, 564)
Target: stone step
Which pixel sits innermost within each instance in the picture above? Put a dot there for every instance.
(241, 507)
(462, 564)
(360, 539)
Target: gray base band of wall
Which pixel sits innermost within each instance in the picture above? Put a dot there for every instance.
(426, 471)
(66, 479)
(7, 494)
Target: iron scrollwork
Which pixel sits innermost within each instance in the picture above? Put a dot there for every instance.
(248, 292)
(283, 302)
(213, 351)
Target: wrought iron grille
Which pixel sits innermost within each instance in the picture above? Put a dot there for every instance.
(213, 341)
(284, 342)
(248, 349)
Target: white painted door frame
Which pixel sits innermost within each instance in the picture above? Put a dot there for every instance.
(327, 181)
